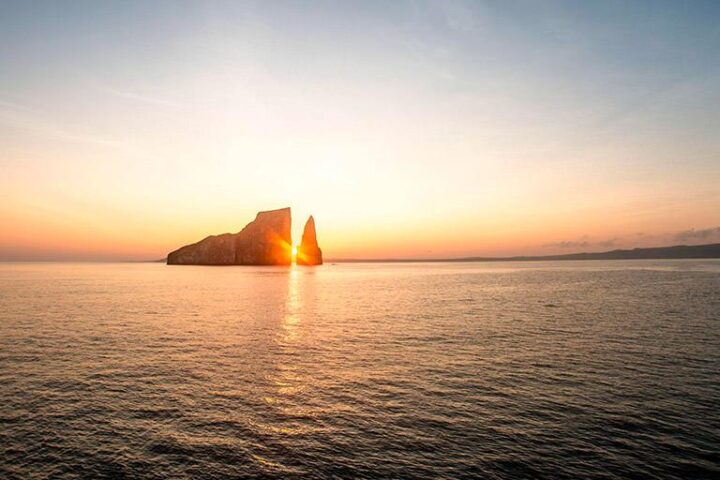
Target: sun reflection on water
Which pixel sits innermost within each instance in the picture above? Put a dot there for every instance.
(293, 307)
(289, 380)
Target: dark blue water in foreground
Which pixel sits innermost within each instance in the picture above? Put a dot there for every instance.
(560, 370)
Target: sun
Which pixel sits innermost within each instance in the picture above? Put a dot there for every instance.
(294, 250)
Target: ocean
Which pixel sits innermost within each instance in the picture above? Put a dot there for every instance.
(556, 370)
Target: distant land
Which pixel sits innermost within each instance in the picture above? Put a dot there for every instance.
(655, 253)
(711, 250)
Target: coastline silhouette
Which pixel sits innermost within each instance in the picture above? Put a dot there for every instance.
(711, 250)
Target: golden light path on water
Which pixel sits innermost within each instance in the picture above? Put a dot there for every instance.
(289, 379)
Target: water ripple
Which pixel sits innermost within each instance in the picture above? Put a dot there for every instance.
(601, 370)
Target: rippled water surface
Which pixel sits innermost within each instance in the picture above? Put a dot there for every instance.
(503, 370)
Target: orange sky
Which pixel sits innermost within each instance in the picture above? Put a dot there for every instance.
(442, 130)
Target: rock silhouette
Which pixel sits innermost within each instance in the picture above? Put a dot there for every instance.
(308, 252)
(264, 241)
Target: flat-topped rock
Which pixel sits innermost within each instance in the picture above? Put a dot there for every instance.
(264, 241)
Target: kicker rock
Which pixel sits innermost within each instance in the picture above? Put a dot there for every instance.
(308, 252)
(264, 241)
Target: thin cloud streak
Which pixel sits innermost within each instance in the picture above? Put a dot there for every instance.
(26, 118)
(697, 235)
(129, 95)
(641, 239)
(582, 242)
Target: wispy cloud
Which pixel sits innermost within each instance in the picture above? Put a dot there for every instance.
(706, 234)
(580, 243)
(457, 15)
(140, 98)
(641, 239)
(608, 243)
(26, 118)
(583, 242)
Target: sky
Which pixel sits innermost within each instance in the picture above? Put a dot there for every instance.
(423, 129)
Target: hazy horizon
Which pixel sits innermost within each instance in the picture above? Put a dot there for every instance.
(414, 129)
(470, 258)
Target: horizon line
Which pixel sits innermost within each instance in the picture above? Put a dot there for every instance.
(701, 251)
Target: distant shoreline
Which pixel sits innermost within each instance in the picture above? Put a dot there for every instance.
(676, 252)
(687, 252)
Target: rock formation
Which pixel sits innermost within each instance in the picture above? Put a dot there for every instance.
(308, 252)
(264, 241)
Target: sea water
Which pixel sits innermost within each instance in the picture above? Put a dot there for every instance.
(421, 370)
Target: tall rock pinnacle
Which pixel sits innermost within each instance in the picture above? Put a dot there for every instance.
(309, 252)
